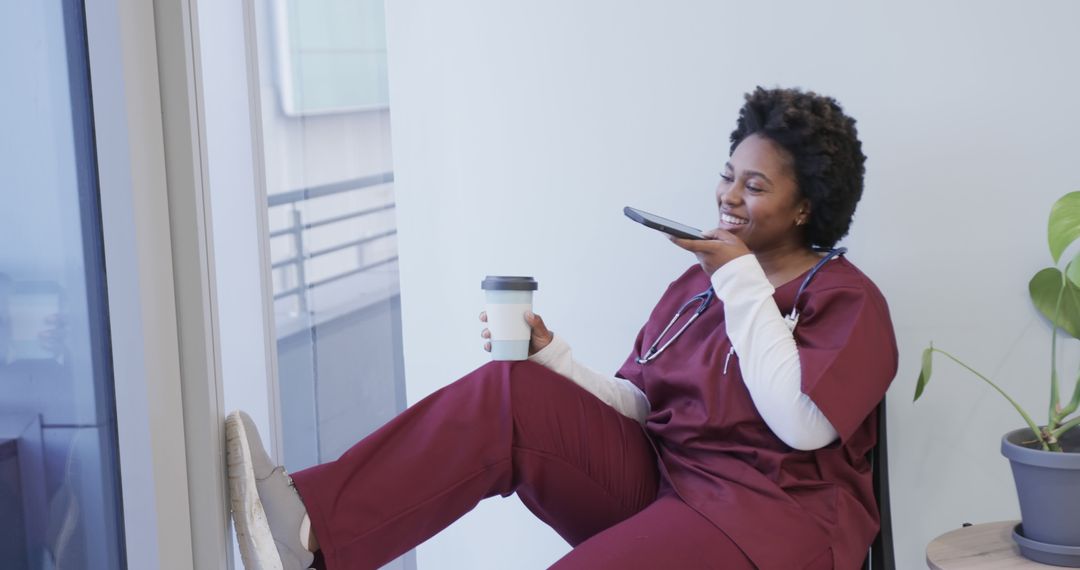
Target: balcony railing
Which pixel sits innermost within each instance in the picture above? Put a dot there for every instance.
(333, 249)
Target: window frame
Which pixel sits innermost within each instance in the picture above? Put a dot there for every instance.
(150, 131)
(139, 279)
(150, 112)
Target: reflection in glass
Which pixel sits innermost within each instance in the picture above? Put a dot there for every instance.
(333, 231)
(59, 475)
(332, 223)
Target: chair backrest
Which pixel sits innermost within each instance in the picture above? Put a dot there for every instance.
(881, 556)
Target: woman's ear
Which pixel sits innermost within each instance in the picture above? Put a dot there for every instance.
(803, 217)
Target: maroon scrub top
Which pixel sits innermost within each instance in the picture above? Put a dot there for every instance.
(782, 506)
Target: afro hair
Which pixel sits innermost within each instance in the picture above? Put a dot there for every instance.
(824, 146)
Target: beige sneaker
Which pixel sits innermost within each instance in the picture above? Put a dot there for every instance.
(266, 508)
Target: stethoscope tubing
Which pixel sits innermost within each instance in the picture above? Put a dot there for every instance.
(706, 297)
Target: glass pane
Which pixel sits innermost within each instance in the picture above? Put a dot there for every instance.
(59, 472)
(334, 57)
(332, 223)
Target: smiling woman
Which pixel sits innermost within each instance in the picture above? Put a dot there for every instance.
(759, 197)
(814, 160)
(754, 429)
(792, 182)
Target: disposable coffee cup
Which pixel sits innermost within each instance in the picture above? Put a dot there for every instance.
(507, 298)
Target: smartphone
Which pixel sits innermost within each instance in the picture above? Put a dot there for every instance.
(663, 224)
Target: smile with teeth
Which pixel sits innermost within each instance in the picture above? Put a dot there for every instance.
(729, 219)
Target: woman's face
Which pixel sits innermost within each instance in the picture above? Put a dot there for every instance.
(759, 198)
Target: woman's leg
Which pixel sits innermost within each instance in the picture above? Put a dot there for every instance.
(575, 462)
(666, 534)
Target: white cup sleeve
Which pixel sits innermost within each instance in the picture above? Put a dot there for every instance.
(506, 321)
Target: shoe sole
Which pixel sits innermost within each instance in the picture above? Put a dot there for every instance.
(257, 548)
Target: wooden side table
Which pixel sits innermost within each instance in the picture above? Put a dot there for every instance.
(986, 546)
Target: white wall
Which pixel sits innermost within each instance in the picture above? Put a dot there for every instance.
(521, 130)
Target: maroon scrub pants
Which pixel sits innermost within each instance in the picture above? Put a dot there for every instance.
(584, 469)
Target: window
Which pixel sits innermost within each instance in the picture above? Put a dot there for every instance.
(337, 313)
(331, 223)
(330, 56)
(59, 468)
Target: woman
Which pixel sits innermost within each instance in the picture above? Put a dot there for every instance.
(732, 437)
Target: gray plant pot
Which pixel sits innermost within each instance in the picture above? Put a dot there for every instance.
(1048, 487)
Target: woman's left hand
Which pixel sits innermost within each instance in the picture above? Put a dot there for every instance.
(721, 247)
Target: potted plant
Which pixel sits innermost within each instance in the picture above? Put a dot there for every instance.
(1045, 458)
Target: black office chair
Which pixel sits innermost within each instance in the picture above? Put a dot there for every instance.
(881, 556)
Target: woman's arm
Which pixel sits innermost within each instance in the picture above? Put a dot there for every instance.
(768, 355)
(552, 352)
(618, 393)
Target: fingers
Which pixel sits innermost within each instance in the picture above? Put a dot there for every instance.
(539, 329)
(713, 235)
(722, 235)
(535, 321)
(540, 334)
(687, 244)
(485, 333)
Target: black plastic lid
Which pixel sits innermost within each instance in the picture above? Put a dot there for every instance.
(509, 283)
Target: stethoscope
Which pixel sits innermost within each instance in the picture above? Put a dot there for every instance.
(706, 298)
(792, 318)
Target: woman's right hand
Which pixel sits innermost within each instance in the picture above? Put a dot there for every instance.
(541, 336)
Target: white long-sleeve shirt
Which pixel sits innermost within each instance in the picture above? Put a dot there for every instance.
(768, 360)
(618, 393)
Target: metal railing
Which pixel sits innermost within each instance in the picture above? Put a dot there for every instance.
(298, 226)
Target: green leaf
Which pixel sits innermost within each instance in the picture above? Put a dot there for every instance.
(1064, 226)
(1072, 270)
(924, 373)
(1044, 288)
